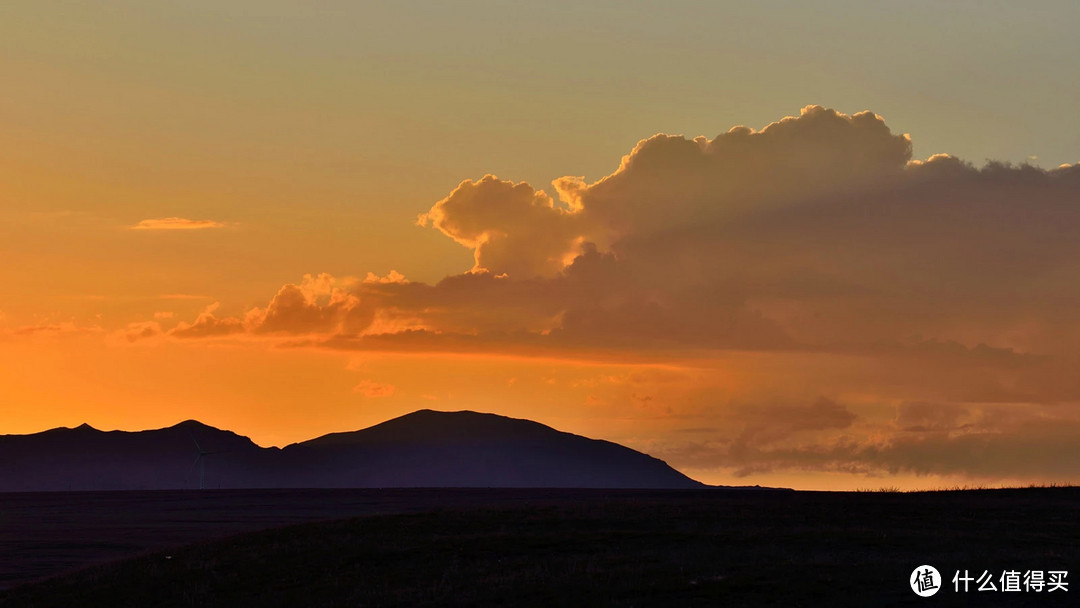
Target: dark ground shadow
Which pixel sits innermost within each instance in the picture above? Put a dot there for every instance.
(522, 547)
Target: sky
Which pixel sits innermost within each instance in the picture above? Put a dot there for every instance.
(824, 246)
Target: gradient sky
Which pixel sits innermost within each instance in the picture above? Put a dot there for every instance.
(274, 217)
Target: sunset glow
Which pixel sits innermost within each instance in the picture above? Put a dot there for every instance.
(281, 220)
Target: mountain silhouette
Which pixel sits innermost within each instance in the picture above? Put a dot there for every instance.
(84, 458)
(422, 449)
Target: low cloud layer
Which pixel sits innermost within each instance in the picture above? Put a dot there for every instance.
(979, 442)
(955, 286)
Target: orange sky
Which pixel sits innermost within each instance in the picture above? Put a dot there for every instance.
(266, 222)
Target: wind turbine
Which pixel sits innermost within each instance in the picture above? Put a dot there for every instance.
(200, 461)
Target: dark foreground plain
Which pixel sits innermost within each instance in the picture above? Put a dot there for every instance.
(532, 547)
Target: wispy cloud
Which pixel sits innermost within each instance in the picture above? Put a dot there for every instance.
(183, 296)
(373, 390)
(176, 223)
(50, 329)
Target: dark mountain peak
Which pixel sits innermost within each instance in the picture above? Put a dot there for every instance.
(430, 448)
(434, 426)
(83, 429)
(192, 424)
(433, 416)
(206, 436)
(462, 418)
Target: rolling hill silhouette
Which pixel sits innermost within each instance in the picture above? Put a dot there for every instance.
(422, 449)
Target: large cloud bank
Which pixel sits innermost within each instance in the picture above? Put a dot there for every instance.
(816, 232)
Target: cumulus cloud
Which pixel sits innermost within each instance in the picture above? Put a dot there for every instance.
(206, 325)
(316, 305)
(668, 182)
(176, 223)
(511, 228)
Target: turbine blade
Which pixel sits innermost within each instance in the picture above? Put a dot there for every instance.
(191, 469)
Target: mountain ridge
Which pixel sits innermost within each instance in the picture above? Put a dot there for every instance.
(425, 448)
